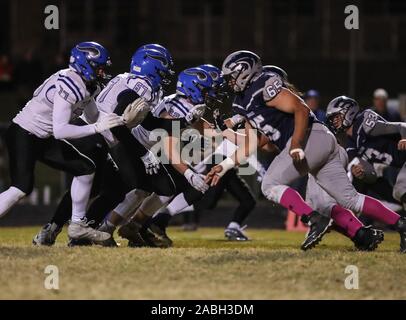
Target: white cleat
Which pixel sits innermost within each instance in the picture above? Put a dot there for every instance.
(81, 231)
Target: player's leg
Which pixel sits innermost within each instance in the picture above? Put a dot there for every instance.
(22, 149)
(282, 172)
(364, 238)
(137, 229)
(333, 178)
(62, 155)
(239, 189)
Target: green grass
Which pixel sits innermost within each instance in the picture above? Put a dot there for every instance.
(201, 266)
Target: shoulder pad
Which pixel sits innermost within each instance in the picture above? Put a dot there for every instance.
(141, 86)
(272, 87)
(369, 119)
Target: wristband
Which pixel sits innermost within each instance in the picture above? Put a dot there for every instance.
(298, 150)
(226, 164)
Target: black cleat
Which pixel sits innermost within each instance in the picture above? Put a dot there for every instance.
(131, 232)
(235, 234)
(319, 226)
(47, 235)
(368, 238)
(153, 239)
(161, 232)
(400, 226)
(79, 242)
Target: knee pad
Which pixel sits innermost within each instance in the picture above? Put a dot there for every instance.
(354, 203)
(273, 192)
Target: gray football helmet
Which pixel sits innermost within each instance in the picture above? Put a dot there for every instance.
(241, 66)
(348, 108)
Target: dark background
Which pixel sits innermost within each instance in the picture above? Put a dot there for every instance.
(305, 37)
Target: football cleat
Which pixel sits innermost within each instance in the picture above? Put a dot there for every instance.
(368, 238)
(109, 228)
(401, 228)
(161, 232)
(152, 239)
(79, 242)
(319, 226)
(131, 232)
(47, 235)
(82, 231)
(236, 234)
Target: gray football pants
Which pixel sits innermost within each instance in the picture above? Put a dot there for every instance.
(399, 189)
(322, 161)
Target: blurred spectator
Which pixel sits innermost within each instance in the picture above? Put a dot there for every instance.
(312, 99)
(28, 76)
(380, 106)
(6, 72)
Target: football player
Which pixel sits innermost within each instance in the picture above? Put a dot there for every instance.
(307, 146)
(194, 87)
(373, 139)
(150, 71)
(40, 131)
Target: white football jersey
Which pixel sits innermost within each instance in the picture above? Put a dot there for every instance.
(106, 101)
(176, 106)
(36, 116)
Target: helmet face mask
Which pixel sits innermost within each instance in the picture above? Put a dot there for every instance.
(341, 112)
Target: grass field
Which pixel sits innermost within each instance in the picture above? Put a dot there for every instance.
(201, 266)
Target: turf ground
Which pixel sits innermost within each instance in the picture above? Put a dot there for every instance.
(201, 266)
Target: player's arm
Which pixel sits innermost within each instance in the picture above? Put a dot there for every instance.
(288, 102)
(207, 129)
(171, 149)
(237, 158)
(91, 112)
(374, 126)
(61, 117)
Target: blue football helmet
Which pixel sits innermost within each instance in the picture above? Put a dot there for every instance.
(153, 62)
(196, 85)
(219, 85)
(215, 74)
(90, 60)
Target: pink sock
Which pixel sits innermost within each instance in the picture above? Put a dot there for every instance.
(374, 209)
(346, 220)
(293, 201)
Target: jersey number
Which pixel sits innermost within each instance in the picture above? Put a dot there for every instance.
(373, 154)
(274, 88)
(267, 129)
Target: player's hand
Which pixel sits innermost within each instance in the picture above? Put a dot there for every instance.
(213, 176)
(151, 163)
(108, 121)
(135, 112)
(297, 154)
(196, 180)
(402, 145)
(358, 171)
